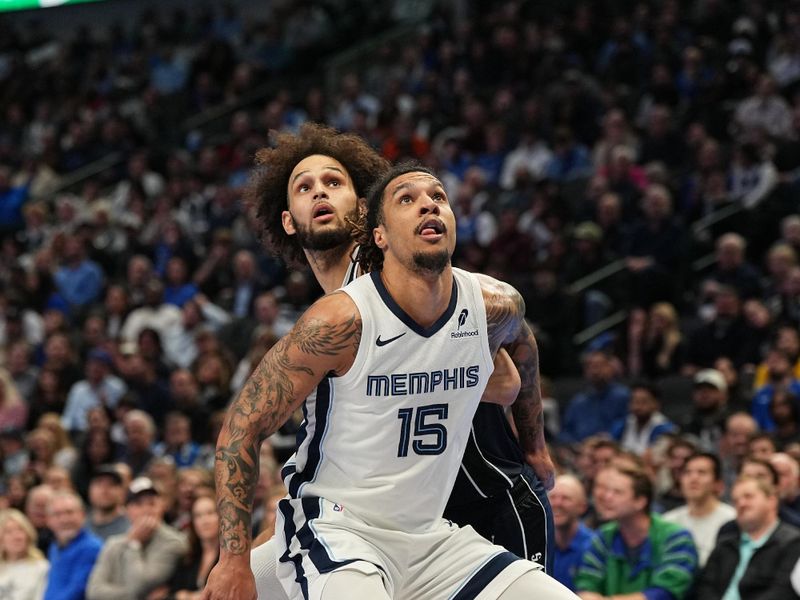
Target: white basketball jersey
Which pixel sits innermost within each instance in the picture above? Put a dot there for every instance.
(385, 440)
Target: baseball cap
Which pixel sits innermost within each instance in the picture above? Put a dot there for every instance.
(100, 355)
(711, 377)
(141, 486)
(108, 471)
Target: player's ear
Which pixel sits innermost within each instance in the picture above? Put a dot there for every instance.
(379, 236)
(288, 223)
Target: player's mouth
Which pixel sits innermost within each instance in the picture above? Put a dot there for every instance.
(431, 230)
(322, 213)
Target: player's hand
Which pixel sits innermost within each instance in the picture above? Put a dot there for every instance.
(543, 466)
(231, 579)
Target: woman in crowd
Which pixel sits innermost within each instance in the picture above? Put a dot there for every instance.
(203, 535)
(23, 567)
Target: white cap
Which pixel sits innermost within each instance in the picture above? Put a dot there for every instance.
(711, 377)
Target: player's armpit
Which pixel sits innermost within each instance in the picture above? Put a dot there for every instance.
(505, 310)
(504, 383)
(324, 340)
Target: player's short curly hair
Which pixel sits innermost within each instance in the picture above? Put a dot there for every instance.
(371, 257)
(267, 190)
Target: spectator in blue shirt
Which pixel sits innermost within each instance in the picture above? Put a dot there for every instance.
(79, 280)
(568, 499)
(11, 201)
(74, 550)
(600, 406)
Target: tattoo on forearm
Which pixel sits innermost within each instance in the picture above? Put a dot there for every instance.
(528, 411)
(263, 405)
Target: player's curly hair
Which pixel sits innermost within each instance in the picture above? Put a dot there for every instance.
(370, 257)
(267, 190)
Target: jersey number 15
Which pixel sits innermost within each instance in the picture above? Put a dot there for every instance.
(434, 434)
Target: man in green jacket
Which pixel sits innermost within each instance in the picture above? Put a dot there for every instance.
(637, 555)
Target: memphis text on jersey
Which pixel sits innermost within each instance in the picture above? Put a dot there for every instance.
(411, 384)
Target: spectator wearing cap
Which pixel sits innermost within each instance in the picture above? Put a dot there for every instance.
(99, 388)
(133, 564)
(780, 376)
(107, 503)
(709, 409)
(74, 550)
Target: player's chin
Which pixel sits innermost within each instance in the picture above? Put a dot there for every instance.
(433, 260)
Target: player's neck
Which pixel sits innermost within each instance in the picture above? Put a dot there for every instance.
(424, 297)
(330, 266)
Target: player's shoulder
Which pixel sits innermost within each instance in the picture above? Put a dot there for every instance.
(498, 293)
(334, 308)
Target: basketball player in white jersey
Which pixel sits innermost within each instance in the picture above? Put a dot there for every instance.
(330, 248)
(400, 359)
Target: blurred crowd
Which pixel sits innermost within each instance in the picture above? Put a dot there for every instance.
(654, 143)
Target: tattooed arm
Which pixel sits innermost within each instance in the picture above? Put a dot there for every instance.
(505, 316)
(324, 340)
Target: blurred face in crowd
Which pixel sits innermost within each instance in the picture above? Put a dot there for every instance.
(65, 517)
(755, 509)
(697, 480)
(754, 470)
(139, 435)
(707, 397)
(14, 540)
(676, 459)
(105, 493)
(643, 404)
(738, 430)
(205, 519)
(145, 505)
(182, 385)
(778, 365)
(568, 500)
(597, 369)
(614, 499)
(788, 473)
(761, 448)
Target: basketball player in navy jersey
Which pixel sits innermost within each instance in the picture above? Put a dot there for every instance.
(494, 491)
(386, 428)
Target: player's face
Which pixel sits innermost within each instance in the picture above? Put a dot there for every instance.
(321, 197)
(419, 225)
